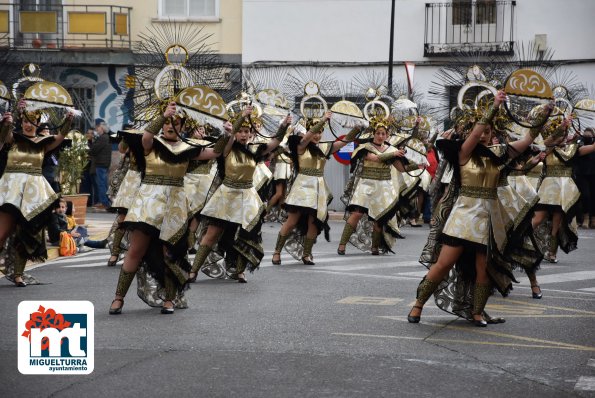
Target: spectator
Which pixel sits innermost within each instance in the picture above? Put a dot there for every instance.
(101, 157)
(585, 180)
(87, 178)
(59, 223)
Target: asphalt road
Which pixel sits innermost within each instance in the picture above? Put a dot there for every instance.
(335, 329)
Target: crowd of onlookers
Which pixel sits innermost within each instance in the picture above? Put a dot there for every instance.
(95, 177)
(94, 182)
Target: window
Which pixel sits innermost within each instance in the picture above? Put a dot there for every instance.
(461, 12)
(485, 11)
(188, 8)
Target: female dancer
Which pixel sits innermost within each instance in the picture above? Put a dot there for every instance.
(283, 170)
(157, 218)
(374, 193)
(123, 200)
(479, 249)
(309, 196)
(26, 197)
(235, 210)
(558, 194)
(197, 184)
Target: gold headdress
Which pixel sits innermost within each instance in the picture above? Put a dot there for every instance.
(237, 106)
(379, 121)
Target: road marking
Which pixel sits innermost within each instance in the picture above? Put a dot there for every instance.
(564, 277)
(370, 300)
(515, 309)
(417, 274)
(588, 289)
(480, 342)
(370, 266)
(521, 338)
(585, 383)
(356, 274)
(550, 307)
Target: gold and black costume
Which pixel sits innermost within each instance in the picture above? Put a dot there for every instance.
(309, 193)
(373, 193)
(558, 190)
(28, 197)
(470, 215)
(237, 207)
(159, 209)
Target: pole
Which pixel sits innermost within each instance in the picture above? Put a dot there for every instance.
(390, 50)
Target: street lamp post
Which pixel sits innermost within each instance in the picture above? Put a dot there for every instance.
(390, 50)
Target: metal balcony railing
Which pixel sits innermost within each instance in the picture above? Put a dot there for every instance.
(465, 25)
(49, 26)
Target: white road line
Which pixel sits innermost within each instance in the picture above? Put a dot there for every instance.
(78, 259)
(585, 383)
(588, 289)
(374, 265)
(416, 274)
(564, 277)
(356, 274)
(88, 265)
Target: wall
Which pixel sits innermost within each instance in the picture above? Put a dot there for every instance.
(358, 31)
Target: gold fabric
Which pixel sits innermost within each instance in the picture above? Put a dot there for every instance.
(282, 167)
(233, 202)
(378, 195)
(472, 216)
(557, 188)
(376, 173)
(161, 206)
(163, 180)
(128, 189)
(28, 192)
(262, 175)
(478, 192)
(479, 172)
(157, 166)
(239, 166)
(425, 180)
(25, 155)
(197, 184)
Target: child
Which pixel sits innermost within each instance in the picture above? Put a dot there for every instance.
(59, 223)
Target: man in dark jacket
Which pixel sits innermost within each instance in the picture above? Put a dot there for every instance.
(101, 157)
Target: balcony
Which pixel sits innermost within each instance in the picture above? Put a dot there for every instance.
(469, 26)
(26, 25)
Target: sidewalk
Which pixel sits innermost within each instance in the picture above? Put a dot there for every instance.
(98, 225)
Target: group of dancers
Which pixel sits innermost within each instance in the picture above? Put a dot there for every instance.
(201, 176)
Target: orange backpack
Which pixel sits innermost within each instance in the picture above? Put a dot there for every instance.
(67, 244)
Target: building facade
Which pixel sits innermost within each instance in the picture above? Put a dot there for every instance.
(88, 45)
(349, 37)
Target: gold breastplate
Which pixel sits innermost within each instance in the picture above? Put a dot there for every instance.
(25, 157)
(157, 166)
(307, 161)
(239, 166)
(479, 178)
(535, 172)
(555, 167)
